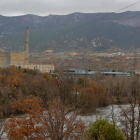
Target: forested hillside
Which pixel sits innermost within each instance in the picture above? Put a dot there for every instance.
(74, 32)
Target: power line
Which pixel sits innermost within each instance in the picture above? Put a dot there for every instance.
(101, 18)
(104, 16)
(103, 27)
(128, 6)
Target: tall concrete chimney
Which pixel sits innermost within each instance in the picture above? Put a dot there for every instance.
(27, 47)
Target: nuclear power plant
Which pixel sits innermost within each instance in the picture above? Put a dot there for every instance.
(22, 59)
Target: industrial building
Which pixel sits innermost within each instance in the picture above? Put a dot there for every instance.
(22, 59)
(76, 73)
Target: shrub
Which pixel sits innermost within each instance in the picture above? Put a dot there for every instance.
(102, 129)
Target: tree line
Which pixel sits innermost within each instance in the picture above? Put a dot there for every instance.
(42, 106)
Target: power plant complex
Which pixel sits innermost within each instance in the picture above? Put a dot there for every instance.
(22, 59)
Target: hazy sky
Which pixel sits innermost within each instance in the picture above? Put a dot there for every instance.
(63, 7)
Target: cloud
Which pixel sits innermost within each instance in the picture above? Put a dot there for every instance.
(46, 7)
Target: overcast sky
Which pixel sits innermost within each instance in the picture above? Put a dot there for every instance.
(63, 7)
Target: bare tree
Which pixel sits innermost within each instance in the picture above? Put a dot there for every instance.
(128, 90)
(130, 115)
(60, 124)
(2, 123)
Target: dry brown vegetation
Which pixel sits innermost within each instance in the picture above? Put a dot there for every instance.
(25, 91)
(54, 124)
(73, 94)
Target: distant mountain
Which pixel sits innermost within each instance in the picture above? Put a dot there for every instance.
(73, 32)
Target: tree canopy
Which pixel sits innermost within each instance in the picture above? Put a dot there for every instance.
(103, 129)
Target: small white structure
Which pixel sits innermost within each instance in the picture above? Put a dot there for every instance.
(41, 67)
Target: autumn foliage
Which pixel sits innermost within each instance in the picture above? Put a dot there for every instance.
(91, 97)
(56, 123)
(60, 124)
(26, 126)
(25, 94)
(79, 94)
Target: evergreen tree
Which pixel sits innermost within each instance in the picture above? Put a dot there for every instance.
(102, 129)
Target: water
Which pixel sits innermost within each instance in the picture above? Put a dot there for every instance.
(104, 112)
(109, 111)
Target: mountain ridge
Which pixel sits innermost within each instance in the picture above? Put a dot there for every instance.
(17, 24)
(70, 32)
